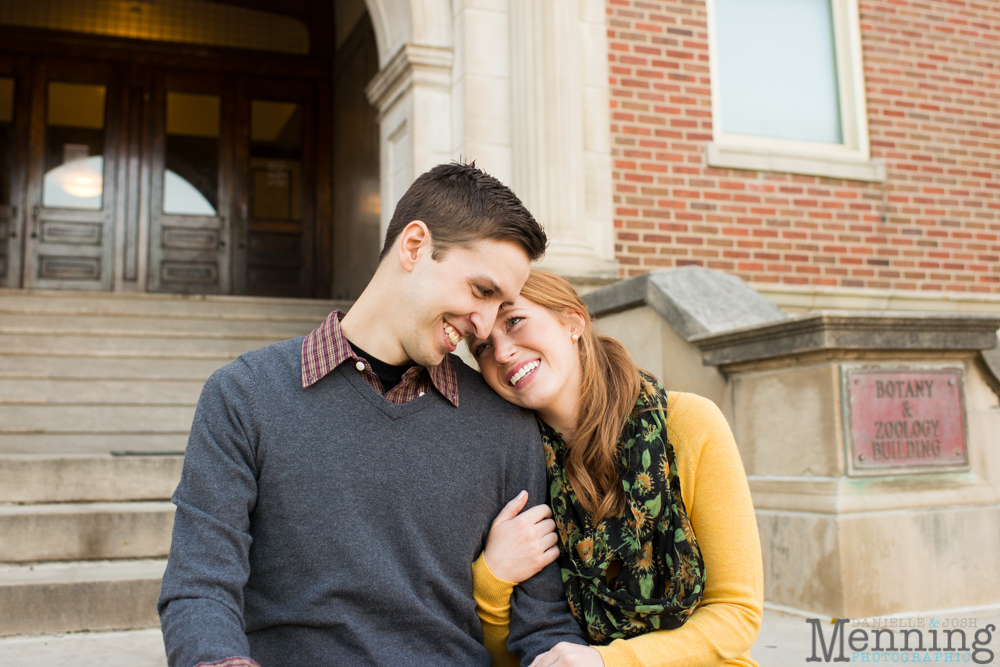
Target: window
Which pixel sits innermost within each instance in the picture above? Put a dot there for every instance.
(74, 147)
(788, 88)
(191, 177)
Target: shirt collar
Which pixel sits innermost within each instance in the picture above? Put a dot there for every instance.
(326, 348)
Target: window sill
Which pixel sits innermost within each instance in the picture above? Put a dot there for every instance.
(849, 167)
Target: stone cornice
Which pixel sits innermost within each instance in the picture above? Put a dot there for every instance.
(850, 330)
(413, 64)
(693, 300)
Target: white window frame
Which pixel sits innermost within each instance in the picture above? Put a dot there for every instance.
(848, 160)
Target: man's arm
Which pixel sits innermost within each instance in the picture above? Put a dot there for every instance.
(201, 599)
(540, 617)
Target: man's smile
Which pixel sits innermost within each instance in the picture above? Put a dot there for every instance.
(453, 335)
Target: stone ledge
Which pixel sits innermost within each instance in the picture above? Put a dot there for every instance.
(850, 330)
(692, 299)
(843, 495)
(837, 164)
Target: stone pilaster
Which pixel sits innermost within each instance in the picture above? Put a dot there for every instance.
(412, 93)
(551, 172)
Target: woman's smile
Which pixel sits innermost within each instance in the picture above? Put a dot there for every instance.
(523, 373)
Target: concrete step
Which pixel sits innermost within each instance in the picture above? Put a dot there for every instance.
(118, 648)
(211, 306)
(85, 531)
(283, 327)
(68, 366)
(75, 390)
(145, 345)
(93, 443)
(87, 478)
(70, 597)
(80, 418)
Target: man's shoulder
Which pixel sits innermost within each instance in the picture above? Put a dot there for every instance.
(277, 359)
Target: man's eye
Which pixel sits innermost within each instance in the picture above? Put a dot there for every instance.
(483, 291)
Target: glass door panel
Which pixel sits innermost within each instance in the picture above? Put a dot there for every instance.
(74, 146)
(71, 185)
(188, 237)
(191, 175)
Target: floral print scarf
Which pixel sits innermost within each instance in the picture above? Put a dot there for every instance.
(662, 575)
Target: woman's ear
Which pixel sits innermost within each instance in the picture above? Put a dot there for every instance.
(577, 322)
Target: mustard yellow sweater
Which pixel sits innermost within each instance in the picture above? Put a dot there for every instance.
(714, 487)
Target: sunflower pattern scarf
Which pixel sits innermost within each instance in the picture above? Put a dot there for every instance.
(662, 574)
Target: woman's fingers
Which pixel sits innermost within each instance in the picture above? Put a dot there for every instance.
(565, 654)
(521, 543)
(546, 526)
(512, 508)
(535, 514)
(548, 540)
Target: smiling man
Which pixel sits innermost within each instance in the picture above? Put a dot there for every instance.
(338, 487)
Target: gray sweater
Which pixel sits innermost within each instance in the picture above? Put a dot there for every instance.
(327, 526)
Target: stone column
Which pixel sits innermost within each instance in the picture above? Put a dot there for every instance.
(413, 96)
(548, 131)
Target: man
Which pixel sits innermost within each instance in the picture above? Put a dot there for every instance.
(338, 487)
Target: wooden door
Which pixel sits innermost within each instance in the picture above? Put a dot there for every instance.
(71, 188)
(274, 225)
(191, 184)
(14, 109)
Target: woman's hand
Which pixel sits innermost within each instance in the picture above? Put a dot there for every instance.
(520, 545)
(565, 654)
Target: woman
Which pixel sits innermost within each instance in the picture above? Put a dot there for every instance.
(657, 540)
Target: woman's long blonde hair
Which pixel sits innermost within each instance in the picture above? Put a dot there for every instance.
(610, 390)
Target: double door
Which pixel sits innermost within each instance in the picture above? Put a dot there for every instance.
(137, 178)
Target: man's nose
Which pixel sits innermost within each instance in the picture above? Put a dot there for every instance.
(482, 321)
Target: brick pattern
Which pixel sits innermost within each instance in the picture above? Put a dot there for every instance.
(932, 69)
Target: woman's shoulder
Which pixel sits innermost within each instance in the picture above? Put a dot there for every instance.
(679, 405)
(695, 424)
(684, 406)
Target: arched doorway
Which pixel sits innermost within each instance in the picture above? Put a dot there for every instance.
(185, 145)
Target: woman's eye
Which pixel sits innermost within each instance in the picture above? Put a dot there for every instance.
(480, 349)
(514, 321)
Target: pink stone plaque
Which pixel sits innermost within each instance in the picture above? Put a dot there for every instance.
(904, 420)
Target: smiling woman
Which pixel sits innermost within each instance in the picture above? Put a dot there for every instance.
(658, 544)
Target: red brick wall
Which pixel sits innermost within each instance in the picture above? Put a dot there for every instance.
(932, 69)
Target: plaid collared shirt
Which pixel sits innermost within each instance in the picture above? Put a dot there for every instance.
(327, 347)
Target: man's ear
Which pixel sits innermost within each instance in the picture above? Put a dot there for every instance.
(414, 241)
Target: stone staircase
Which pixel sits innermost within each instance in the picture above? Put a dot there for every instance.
(97, 393)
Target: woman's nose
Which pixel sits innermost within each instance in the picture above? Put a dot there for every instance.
(504, 350)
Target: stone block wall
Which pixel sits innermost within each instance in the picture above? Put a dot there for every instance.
(932, 72)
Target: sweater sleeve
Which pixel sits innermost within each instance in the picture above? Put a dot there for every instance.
(717, 497)
(492, 597)
(201, 599)
(539, 616)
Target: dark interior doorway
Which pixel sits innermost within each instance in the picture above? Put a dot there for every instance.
(156, 162)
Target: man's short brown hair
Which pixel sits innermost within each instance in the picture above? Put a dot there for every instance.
(462, 204)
